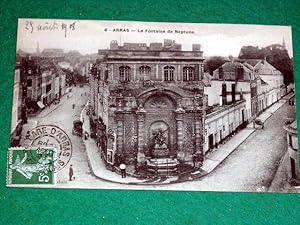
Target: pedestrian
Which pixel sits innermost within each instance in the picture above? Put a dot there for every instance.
(73, 106)
(123, 170)
(86, 135)
(71, 173)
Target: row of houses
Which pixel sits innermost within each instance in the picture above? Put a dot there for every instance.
(38, 82)
(46, 82)
(238, 91)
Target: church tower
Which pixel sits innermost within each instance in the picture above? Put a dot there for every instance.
(283, 44)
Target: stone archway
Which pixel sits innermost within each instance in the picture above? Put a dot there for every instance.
(160, 114)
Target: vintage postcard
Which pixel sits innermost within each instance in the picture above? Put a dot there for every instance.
(153, 106)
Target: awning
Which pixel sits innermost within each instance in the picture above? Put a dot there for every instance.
(40, 104)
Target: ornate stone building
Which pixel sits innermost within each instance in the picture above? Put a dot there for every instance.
(148, 104)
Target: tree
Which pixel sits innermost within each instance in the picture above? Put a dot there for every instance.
(213, 63)
(275, 54)
(250, 52)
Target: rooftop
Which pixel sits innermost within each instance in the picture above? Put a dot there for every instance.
(233, 71)
(212, 110)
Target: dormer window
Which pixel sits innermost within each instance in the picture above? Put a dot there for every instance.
(169, 73)
(124, 73)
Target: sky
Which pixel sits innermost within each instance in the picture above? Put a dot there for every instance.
(87, 36)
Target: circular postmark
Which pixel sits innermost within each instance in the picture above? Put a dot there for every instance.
(53, 136)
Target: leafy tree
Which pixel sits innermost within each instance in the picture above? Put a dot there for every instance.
(249, 52)
(213, 63)
(275, 54)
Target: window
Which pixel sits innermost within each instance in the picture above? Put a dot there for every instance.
(291, 141)
(188, 73)
(169, 73)
(124, 73)
(48, 88)
(145, 72)
(29, 83)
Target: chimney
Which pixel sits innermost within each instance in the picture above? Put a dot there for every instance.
(221, 73)
(233, 92)
(240, 72)
(224, 94)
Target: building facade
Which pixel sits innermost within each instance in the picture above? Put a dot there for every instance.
(45, 82)
(231, 82)
(223, 121)
(32, 69)
(19, 114)
(148, 102)
(292, 142)
(271, 86)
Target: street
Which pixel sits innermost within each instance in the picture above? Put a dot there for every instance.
(251, 167)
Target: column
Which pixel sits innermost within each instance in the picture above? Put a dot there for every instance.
(179, 122)
(198, 131)
(141, 134)
(120, 129)
(134, 72)
(111, 77)
(179, 72)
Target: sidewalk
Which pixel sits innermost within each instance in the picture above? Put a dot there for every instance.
(280, 182)
(216, 157)
(96, 164)
(52, 107)
(211, 161)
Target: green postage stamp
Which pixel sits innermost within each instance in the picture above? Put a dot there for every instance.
(31, 166)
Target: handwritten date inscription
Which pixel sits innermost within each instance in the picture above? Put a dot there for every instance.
(65, 27)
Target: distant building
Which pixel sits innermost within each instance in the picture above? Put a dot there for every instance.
(62, 81)
(32, 69)
(48, 84)
(45, 82)
(272, 86)
(148, 103)
(84, 68)
(52, 53)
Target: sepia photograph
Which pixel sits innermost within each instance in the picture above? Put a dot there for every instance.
(153, 106)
